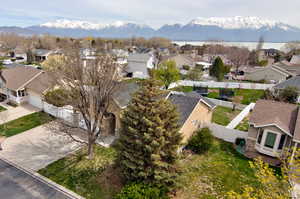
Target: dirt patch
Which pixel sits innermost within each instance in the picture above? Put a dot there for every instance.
(111, 180)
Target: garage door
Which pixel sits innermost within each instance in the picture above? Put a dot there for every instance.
(35, 101)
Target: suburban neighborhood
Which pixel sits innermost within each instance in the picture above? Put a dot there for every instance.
(86, 115)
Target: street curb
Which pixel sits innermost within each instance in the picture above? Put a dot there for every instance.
(45, 180)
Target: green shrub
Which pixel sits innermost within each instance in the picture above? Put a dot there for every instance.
(201, 141)
(263, 63)
(186, 67)
(141, 191)
(57, 97)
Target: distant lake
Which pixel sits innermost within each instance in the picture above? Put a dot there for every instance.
(250, 45)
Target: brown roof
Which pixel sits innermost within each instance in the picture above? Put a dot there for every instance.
(40, 84)
(18, 76)
(297, 128)
(283, 115)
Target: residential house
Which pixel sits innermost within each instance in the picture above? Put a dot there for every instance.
(273, 126)
(264, 54)
(139, 65)
(40, 55)
(295, 59)
(194, 110)
(205, 67)
(268, 55)
(24, 84)
(272, 74)
(88, 53)
(180, 60)
(292, 68)
(292, 82)
(121, 56)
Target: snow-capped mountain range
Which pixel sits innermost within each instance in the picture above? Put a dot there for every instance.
(239, 22)
(75, 24)
(215, 28)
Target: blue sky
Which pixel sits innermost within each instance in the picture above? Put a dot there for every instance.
(153, 12)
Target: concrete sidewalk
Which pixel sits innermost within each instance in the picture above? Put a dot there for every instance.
(13, 113)
(37, 148)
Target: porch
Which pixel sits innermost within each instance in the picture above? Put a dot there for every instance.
(17, 97)
(270, 160)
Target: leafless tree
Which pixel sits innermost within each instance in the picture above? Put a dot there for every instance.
(9, 41)
(88, 87)
(238, 56)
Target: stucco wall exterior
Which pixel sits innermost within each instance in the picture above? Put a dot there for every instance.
(200, 116)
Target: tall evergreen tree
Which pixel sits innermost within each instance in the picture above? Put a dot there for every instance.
(218, 69)
(149, 138)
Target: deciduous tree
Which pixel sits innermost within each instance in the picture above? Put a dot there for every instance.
(167, 73)
(87, 88)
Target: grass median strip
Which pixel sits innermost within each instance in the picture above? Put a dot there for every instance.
(24, 123)
(2, 109)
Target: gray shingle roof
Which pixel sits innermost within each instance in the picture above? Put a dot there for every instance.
(204, 99)
(294, 82)
(124, 93)
(137, 62)
(42, 52)
(184, 104)
(139, 57)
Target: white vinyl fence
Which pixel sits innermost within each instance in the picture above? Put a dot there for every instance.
(227, 104)
(228, 135)
(64, 113)
(240, 116)
(222, 85)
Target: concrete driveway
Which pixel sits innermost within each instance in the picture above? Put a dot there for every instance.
(37, 148)
(13, 113)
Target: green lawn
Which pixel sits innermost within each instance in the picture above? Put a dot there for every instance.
(185, 89)
(24, 123)
(215, 173)
(249, 95)
(2, 109)
(243, 125)
(223, 115)
(214, 95)
(92, 179)
(246, 95)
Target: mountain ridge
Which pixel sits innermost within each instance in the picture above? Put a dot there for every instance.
(214, 28)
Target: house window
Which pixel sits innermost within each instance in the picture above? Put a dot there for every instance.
(13, 93)
(270, 140)
(22, 93)
(281, 142)
(260, 134)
